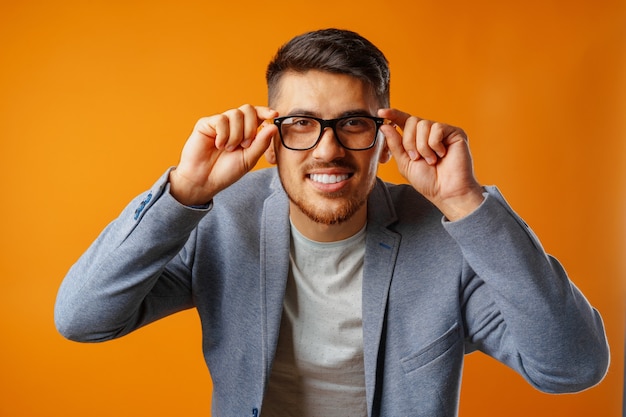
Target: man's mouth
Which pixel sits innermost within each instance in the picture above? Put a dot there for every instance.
(329, 178)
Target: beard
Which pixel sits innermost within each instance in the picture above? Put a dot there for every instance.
(327, 216)
(327, 213)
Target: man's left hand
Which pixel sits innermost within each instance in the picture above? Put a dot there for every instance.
(436, 160)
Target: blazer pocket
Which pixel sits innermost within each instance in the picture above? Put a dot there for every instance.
(432, 351)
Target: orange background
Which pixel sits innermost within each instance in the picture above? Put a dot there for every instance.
(98, 97)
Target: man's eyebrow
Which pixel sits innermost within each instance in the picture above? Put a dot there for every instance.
(355, 112)
(302, 112)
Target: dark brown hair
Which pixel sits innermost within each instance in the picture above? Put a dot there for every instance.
(336, 51)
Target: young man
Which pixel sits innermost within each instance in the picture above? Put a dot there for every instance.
(322, 290)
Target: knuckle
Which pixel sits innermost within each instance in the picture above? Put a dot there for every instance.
(233, 113)
(411, 122)
(424, 123)
(219, 119)
(205, 120)
(437, 131)
(438, 127)
(247, 109)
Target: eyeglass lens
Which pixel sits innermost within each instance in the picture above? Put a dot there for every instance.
(301, 132)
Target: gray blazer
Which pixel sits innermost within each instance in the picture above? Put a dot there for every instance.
(433, 290)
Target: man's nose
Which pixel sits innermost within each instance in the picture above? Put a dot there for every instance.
(328, 148)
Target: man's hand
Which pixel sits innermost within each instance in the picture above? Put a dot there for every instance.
(436, 160)
(219, 151)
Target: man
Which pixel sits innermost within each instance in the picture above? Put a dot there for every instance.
(321, 290)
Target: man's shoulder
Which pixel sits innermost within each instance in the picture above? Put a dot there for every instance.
(250, 192)
(259, 182)
(402, 195)
(403, 203)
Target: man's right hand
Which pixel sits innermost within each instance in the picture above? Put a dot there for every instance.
(221, 149)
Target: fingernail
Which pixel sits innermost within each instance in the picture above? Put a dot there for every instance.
(413, 155)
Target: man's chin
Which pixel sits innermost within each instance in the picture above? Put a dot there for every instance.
(329, 216)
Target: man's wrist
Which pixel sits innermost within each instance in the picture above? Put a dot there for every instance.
(183, 194)
(458, 207)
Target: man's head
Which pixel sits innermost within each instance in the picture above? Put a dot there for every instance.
(328, 75)
(335, 51)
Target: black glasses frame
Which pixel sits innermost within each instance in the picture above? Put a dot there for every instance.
(332, 123)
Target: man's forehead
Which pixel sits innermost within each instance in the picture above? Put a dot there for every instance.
(318, 93)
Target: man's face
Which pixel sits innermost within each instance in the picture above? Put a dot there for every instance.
(328, 184)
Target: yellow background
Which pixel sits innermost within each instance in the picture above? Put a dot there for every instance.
(98, 97)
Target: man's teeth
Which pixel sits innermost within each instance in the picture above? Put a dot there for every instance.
(328, 179)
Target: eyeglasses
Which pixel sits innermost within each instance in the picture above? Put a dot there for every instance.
(355, 133)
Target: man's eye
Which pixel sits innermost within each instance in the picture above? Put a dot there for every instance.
(356, 124)
(301, 123)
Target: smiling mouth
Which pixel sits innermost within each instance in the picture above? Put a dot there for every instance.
(328, 178)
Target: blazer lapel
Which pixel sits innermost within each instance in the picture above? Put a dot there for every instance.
(381, 252)
(274, 257)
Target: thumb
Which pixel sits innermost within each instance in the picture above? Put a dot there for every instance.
(396, 116)
(394, 142)
(261, 142)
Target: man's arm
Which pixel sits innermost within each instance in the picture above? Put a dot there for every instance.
(137, 270)
(523, 308)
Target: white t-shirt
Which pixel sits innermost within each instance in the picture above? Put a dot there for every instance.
(318, 368)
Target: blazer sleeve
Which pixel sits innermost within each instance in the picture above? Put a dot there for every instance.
(135, 272)
(521, 307)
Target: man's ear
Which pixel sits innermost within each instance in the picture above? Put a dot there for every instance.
(385, 154)
(270, 153)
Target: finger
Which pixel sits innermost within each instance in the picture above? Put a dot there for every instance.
(438, 133)
(265, 113)
(423, 138)
(261, 117)
(408, 125)
(220, 123)
(258, 146)
(394, 115)
(205, 126)
(236, 127)
(394, 141)
(409, 134)
(250, 124)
